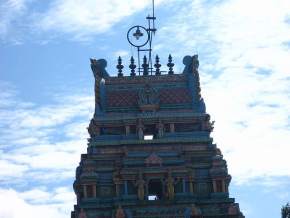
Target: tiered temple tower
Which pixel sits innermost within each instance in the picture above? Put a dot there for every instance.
(150, 153)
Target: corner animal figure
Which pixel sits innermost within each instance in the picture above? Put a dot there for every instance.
(191, 64)
(99, 68)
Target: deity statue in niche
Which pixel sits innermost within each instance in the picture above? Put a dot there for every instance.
(160, 128)
(140, 129)
(170, 182)
(195, 211)
(82, 214)
(233, 209)
(120, 213)
(140, 184)
(148, 96)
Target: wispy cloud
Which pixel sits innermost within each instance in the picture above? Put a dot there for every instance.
(79, 19)
(10, 10)
(121, 53)
(245, 78)
(38, 144)
(83, 18)
(33, 136)
(34, 202)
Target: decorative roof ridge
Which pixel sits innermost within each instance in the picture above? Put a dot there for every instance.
(149, 78)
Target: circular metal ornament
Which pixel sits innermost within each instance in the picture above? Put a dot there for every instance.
(138, 36)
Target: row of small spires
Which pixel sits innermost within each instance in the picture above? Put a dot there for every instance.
(145, 66)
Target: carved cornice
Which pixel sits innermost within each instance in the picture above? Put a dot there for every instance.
(145, 79)
(146, 142)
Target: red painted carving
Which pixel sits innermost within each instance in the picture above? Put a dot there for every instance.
(153, 159)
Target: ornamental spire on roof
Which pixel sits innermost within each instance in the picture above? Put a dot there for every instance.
(141, 38)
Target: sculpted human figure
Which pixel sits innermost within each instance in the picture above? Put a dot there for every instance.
(117, 181)
(120, 213)
(140, 128)
(93, 129)
(195, 211)
(160, 128)
(233, 209)
(82, 214)
(148, 95)
(170, 186)
(140, 184)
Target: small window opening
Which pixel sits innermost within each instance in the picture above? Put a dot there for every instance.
(152, 197)
(150, 130)
(90, 191)
(155, 191)
(148, 137)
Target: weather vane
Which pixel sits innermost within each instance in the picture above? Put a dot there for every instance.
(141, 38)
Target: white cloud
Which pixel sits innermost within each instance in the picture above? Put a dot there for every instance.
(84, 18)
(40, 149)
(244, 66)
(121, 53)
(245, 40)
(9, 11)
(36, 196)
(17, 203)
(81, 19)
(11, 169)
(42, 141)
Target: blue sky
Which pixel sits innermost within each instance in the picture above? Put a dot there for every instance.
(46, 91)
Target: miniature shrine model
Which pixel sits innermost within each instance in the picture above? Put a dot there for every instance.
(150, 154)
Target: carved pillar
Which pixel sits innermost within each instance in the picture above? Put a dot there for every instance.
(214, 186)
(85, 191)
(226, 186)
(117, 182)
(126, 188)
(146, 189)
(191, 190)
(127, 128)
(183, 186)
(190, 179)
(117, 189)
(219, 185)
(94, 190)
(223, 186)
(172, 128)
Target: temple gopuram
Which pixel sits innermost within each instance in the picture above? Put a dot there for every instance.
(150, 154)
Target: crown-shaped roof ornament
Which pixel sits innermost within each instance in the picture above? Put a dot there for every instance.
(141, 38)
